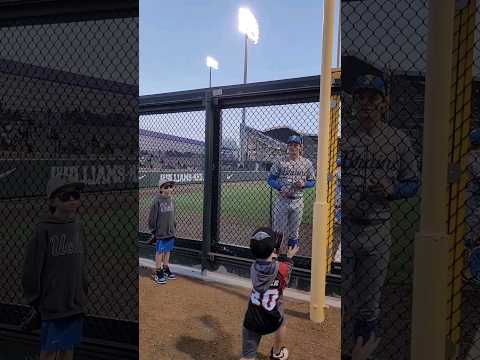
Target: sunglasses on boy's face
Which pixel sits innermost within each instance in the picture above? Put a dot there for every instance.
(167, 187)
(68, 196)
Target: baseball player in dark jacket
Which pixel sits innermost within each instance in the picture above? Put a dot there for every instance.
(378, 166)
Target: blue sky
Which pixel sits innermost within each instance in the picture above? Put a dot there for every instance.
(176, 36)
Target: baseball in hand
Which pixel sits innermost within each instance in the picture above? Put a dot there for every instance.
(151, 240)
(292, 251)
(299, 184)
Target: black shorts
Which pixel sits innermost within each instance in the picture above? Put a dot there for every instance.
(261, 321)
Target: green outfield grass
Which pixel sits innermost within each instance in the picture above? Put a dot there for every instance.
(245, 201)
(251, 202)
(112, 228)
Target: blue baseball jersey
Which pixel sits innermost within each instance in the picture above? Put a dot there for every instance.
(289, 171)
(383, 154)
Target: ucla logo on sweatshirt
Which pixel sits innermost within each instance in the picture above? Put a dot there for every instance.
(166, 207)
(61, 244)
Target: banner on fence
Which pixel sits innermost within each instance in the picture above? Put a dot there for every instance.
(29, 178)
(149, 179)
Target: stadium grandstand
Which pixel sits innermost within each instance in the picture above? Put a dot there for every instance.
(48, 134)
(265, 146)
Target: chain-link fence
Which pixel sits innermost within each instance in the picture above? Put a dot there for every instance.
(221, 159)
(172, 147)
(382, 130)
(383, 68)
(250, 148)
(68, 107)
(464, 188)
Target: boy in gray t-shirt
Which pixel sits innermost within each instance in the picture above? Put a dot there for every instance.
(162, 225)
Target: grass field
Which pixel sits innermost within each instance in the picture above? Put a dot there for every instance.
(110, 224)
(247, 205)
(243, 200)
(243, 207)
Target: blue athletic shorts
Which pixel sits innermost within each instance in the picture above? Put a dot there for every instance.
(165, 245)
(61, 334)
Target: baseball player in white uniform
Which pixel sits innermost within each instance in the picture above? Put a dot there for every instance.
(378, 166)
(290, 175)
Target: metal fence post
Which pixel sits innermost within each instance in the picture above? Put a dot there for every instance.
(320, 207)
(429, 327)
(271, 207)
(212, 177)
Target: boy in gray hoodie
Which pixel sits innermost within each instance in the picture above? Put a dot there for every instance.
(270, 276)
(162, 225)
(54, 274)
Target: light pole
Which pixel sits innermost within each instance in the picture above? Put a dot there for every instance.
(211, 63)
(320, 206)
(247, 25)
(431, 261)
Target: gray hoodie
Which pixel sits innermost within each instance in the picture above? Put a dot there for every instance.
(262, 274)
(54, 274)
(161, 220)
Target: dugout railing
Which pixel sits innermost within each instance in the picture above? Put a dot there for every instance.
(236, 132)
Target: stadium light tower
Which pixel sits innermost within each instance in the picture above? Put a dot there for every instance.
(211, 63)
(247, 25)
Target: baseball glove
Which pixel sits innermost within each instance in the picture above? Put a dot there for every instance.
(151, 240)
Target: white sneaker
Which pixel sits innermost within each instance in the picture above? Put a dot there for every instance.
(282, 355)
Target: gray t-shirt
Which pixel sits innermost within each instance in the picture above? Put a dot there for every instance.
(289, 171)
(384, 153)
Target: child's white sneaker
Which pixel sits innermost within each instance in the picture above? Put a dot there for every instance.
(282, 355)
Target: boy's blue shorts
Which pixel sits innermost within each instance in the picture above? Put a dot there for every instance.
(61, 334)
(165, 245)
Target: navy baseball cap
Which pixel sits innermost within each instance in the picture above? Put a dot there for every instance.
(295, 139)
(369, 82)
(475, 137)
